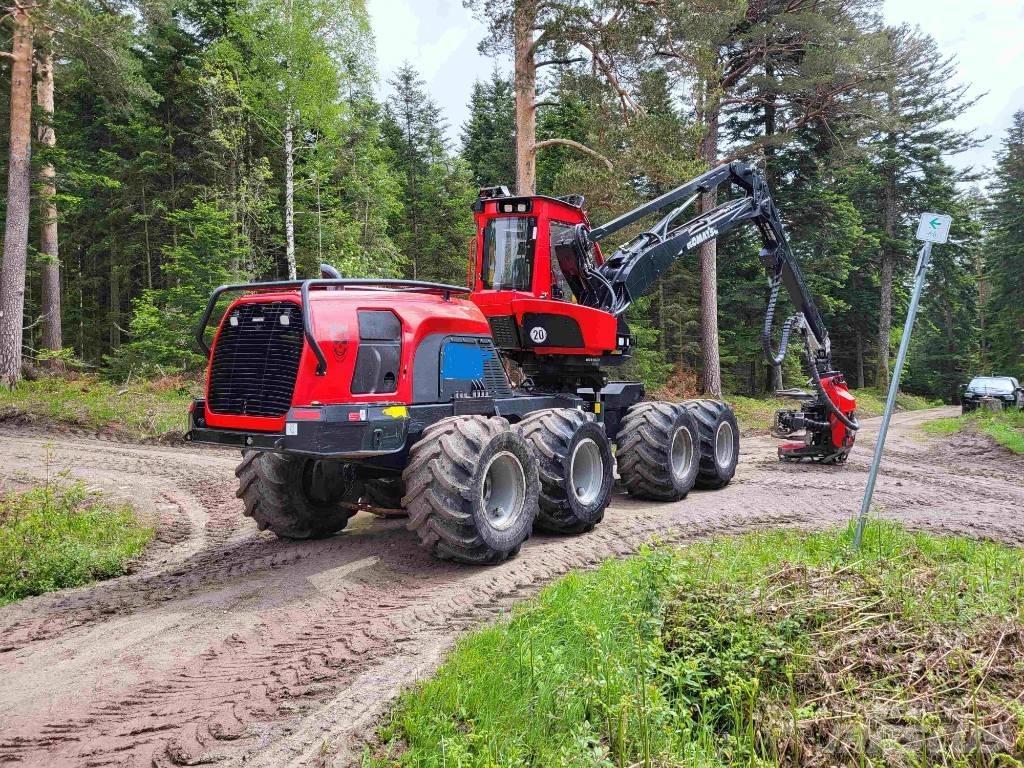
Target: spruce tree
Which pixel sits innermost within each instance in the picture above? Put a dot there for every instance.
(488, 136)
(944, 351)
(1004, 258)
(915, 110)
(433, 224)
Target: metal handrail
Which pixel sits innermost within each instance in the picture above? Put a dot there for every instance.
(304, 287)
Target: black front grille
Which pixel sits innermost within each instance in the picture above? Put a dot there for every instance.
(503, 329)
(495, 380)
(256, 359)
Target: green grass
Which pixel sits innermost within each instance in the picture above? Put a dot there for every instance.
(138, 410)
(156, 409)
(758, 414)
(1006, 427)
(871, 402)
(61, 536)
(769, 649)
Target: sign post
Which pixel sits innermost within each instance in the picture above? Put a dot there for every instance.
(933, 228)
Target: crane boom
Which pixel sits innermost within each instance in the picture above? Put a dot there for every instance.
(634, 268)
(558, 308)
(826, 420)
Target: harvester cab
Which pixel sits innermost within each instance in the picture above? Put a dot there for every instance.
(527, 279)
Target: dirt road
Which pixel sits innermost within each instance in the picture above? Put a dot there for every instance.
(230, 646)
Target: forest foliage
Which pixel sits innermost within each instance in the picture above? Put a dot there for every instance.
(199, 143)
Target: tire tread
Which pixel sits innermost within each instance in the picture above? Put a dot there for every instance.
(643, 444)
(550, 432)
(438, 488)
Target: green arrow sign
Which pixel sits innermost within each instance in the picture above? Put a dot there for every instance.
(933, 227)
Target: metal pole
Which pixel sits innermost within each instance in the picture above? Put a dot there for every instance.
(923, 259)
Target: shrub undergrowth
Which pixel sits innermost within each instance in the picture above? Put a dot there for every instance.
(60, 536)
(136, 409)
(769, 649)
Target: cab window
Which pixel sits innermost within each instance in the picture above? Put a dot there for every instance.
(559, 233)
(508, 254)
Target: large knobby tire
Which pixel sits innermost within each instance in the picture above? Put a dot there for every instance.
(657, 451)
(719, 442)
(294, 496)
(471, 489)
(576, 471)
(384, 492)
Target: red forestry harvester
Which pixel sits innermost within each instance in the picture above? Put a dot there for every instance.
(397, 393)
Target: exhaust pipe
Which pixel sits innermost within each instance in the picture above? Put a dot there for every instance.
(329, 272)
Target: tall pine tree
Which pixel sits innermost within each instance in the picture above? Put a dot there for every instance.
(433, 224)
(1004, 258)
(489, 135)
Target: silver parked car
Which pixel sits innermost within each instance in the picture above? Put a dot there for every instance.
(1006, 389)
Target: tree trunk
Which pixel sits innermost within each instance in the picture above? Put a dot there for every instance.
(526, 94)
(52, 338)
(12, 273)
(884, 319)
(289, 194)
(115, 300)
(414, 213)
(711, 381)
(886, 278)
(770, 114)
(948, 368)
(662, 330)
(979, 271)
(860, 360)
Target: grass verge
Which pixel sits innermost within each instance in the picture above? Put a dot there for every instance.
(138, 410)
(771, 649)
(62, 536)
(1005, 427)
(758, 414)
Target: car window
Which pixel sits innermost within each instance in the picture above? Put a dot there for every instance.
(988, 385)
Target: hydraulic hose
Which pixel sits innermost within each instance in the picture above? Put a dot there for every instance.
(816, 377)
(814, 424)
(769, 321)
(776, 359)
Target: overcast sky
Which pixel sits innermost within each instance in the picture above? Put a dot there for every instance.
(439, 37)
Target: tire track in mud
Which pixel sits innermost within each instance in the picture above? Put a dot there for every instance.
(242, 648)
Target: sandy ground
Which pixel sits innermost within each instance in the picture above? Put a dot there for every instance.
(228, 646)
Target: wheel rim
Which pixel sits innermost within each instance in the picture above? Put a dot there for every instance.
(504, 490)
(681, 453)
(586, 472)
(724, 441)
